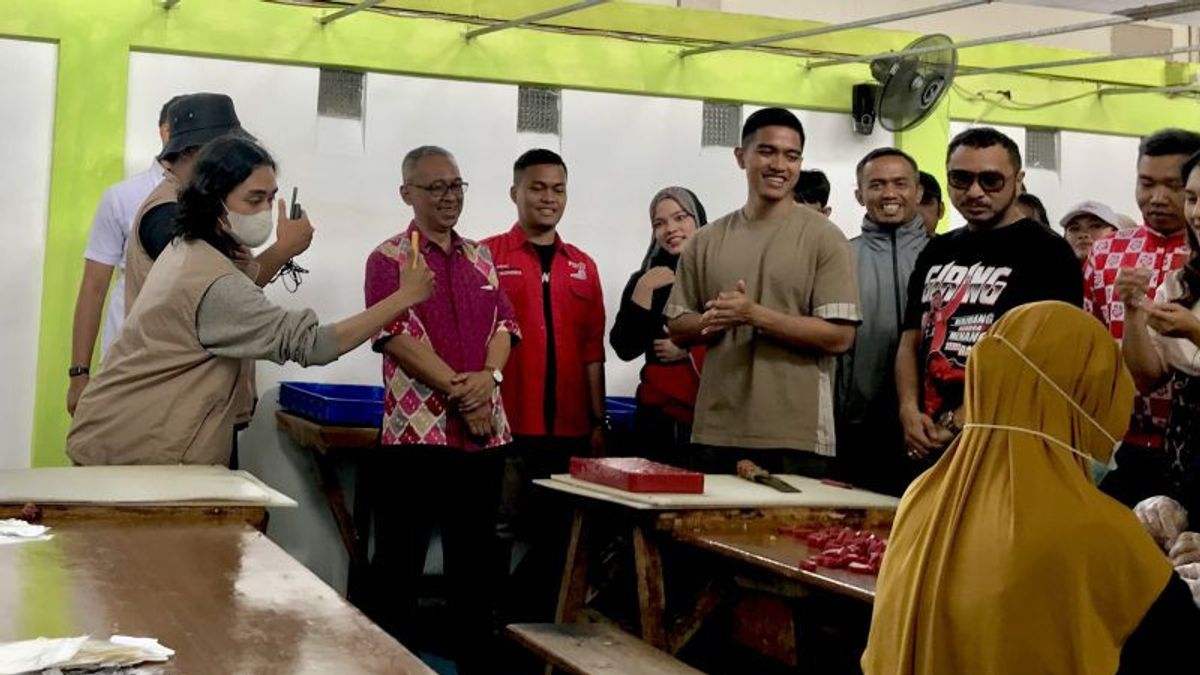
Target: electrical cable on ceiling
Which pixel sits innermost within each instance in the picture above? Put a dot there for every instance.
(997, 98)
(1003, 99)
(987, 110)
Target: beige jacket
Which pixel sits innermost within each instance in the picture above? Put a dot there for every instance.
(161, 397)
(137, 267)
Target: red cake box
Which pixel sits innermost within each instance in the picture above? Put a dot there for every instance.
(635, 474)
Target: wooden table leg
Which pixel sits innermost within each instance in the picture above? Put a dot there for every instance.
(336, 497)
(573, 591)
(690, 624)
(356, 577)
(651, 597)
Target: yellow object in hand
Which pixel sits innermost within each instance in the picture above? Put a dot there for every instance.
(416, 242)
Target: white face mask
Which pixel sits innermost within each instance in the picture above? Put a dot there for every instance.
(251, 230)
(1098, 469)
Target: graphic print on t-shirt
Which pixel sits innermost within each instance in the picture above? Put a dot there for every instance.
(962, 307)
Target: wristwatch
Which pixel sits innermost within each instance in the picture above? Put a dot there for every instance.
(76, 371)
(497, 376)
(947, 422)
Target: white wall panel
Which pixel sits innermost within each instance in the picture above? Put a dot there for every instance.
(27, 78)
(1100, 167)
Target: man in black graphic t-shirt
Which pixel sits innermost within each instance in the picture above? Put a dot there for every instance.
(967, 279)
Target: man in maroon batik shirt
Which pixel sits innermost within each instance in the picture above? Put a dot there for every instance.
(444, 424)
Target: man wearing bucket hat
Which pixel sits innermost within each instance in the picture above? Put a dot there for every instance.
(195, 120)
(1085, 224)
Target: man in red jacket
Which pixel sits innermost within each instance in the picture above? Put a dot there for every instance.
(554, 380)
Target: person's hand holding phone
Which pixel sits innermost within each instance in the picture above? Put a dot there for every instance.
(294, 232)
(1132, 286)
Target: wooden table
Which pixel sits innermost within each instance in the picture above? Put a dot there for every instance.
(327, 444)
(139, 494)
(58, 514)
(713, 522)
(780, 555)
(225, 598)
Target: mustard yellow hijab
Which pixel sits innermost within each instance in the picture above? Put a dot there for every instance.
(1004, 558)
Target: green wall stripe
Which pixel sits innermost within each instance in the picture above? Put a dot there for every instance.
(89, 146)
(927, 144)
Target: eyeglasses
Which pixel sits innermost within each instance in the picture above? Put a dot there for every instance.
(989, 181)
(438, 190)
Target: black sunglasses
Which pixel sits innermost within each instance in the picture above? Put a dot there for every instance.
(989, 181)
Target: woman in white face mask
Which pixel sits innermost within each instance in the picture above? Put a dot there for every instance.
(1004, 557)
(166, 392)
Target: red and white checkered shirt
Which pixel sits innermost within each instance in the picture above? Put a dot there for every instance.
(1161, 254)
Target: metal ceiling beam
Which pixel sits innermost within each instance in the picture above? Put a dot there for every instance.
(1025, 35)
(1176, 89)
(342, 13)
(835, 28)
(533, 18)
(1128, 16)
(1106, 58)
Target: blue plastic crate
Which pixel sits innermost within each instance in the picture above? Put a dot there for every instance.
(345, 405)
(620, 412)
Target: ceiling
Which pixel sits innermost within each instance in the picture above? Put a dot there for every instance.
(1112, 7)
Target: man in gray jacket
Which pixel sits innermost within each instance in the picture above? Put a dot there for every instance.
(870, 438)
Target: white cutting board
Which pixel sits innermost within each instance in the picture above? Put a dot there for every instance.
(175, 485)
(722, 491)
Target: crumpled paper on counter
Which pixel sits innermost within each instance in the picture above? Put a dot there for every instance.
(16, 531)
(83, 652)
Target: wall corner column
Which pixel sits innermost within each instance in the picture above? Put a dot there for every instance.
(927, 142)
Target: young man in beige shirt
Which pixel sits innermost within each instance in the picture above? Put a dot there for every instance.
(772, 290)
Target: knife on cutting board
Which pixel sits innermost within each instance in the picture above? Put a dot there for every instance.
(755, 473)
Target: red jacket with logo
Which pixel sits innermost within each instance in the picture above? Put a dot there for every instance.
(577, 308)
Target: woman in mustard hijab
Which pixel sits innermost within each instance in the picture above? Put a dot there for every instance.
(1005, 559)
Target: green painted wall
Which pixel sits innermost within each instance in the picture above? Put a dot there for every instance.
(95, 38)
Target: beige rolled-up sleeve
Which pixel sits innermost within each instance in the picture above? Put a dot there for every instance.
(835, 288)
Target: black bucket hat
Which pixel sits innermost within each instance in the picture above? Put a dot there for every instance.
(197, 119)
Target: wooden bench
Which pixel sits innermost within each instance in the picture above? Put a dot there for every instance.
(595, 649)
